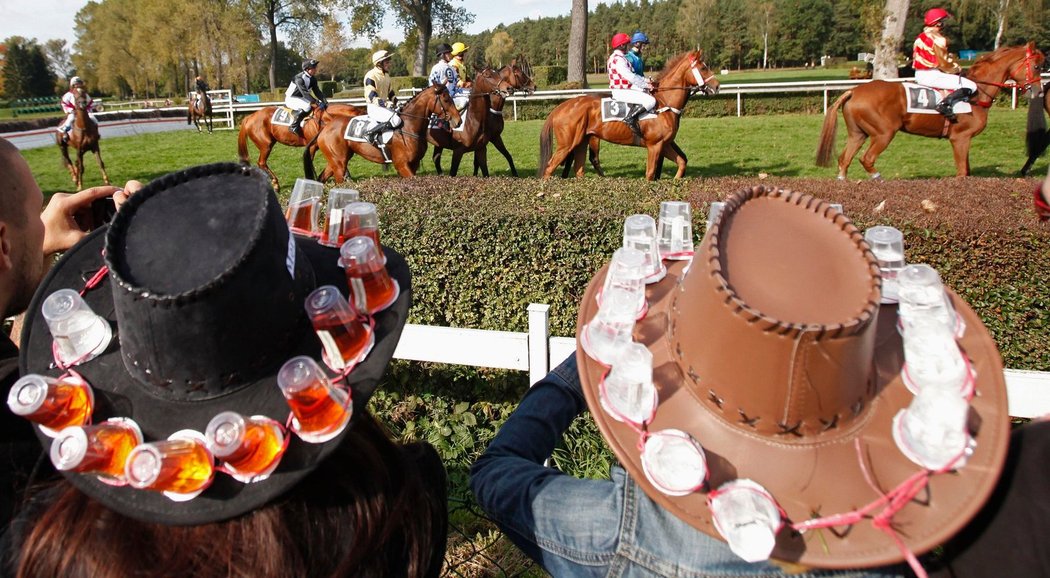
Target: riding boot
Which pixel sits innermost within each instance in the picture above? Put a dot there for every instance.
(631, 118)
(375, 133)
(945, 106)
(297, 122)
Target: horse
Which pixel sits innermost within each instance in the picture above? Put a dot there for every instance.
(878, 109)
(518, 75)
(406, 148)
(199, 109)
(594, 146)
(1037, 136)
(84, 137)
(574, 121)
(475, 126)
(258, 127)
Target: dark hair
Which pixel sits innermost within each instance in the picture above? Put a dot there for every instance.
(363, 512)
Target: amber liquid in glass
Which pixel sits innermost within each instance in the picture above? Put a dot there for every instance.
(302, 216)
(107, 450)
(66, 404)
(352, 228)
(186, 467)
(316, 410)
(371, 286)
(345, 340)
(260, 446)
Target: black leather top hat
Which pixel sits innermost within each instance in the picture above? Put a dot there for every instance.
(205, 295)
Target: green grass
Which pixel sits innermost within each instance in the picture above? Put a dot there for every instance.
(780, 145)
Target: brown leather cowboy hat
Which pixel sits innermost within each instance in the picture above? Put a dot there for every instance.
(772, 351)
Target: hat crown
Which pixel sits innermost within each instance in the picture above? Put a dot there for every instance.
(797, 310)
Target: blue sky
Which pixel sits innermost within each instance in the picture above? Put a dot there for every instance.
(45, 19)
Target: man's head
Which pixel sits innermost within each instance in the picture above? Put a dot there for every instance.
(458, 48)
(381, 59)
(75, 82)
(443, 51)
(21, 232)
(936, 17)
(310, 66)
(639, 40)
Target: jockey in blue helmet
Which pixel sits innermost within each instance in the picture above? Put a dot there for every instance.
(634, 55)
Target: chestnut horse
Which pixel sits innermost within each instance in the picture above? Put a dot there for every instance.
(406, 148)
(574, 121)
(475, 126)
(83, 137)
(196, 111)
(878, 109)
(518, 75)
(1037, 135)
(265, 135)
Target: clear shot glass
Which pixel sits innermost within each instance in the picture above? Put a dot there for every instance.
(371, 286)
(674, 462)
(345, 339)
(639, 232)
(605, 336)
(338, 199)
(181, 467)
(249, 447)
(932, 430)
(101, 449)
(320, 410)
(675, 231)
(887, 243)
(53, 404)
(79, 334)
(748, 518)
(304, 206)
(628, 394)
(627, 271)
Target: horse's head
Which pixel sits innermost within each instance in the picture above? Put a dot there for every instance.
(1020, 64)
(82, 98)
(1027, 73)
(487, 81)
(439, 103)
(702, 75)
(517, 76)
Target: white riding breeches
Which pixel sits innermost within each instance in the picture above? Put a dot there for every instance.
(943, 80)
(383, 114)
(297, 103)
(461, 100)
(635, 97)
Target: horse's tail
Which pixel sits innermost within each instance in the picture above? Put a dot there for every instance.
(242, 139)
(1036, 135)
(308, 159)
(545, 145)
(827, 133)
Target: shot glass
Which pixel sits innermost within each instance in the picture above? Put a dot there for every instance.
(605, 336)
(674, 462)
(304, 206)
(181, 467)
(100, 449)
(53, 404)
(922, 296)
(639, 232)
(675, 231)
(932, 430)
(320, 410)
(747, 516)
(250, 447)
(338, 199)
(360, 219)
(345, 339)
(933, 360)
(627, 394)
(80, 335)
(627, 271)
(713, 213)
(371, 286)
(887, 244)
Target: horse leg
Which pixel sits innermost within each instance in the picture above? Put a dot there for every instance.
(961, 151)
(497, 141)
(853, 143)
(481, 159)
(457, 157)
(101, 165)
(652, 159)
(437, 159)
(68, 163)
(264, 153)
(672, 153)
(578, 158)
(879, 142)
(80, 169)
(592, 152)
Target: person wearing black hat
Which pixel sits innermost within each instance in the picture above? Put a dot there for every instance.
(251, 455)
(301, 94)
(444, 73)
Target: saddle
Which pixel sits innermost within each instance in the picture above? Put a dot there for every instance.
(616, 110)
(282, 116)
(923, 99)
(359, 125)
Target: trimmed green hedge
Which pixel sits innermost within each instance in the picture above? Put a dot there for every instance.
(548, 76)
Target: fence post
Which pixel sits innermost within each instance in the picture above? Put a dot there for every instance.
(739, 103)
(825, 101)
(539, 341)
(515, 103)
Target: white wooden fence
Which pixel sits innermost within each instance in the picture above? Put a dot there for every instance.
(537, 352)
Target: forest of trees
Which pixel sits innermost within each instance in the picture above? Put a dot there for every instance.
(155, 47)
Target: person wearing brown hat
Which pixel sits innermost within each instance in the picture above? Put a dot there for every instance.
(758, 399)
(206, 401)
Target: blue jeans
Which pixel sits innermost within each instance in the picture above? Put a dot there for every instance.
(577, 527)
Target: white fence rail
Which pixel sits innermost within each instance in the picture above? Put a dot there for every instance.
(536, 352)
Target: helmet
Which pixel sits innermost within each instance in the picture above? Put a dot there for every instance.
(442, 48)
(380, 56)
(935, 15)
(459, 48)
(639, 37)
(619, 39)
(310, 63)
(76, 81)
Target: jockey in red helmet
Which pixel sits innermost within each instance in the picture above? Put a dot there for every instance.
(626, 85)
(934, 65)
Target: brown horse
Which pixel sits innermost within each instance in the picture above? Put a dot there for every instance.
(84, 137)
(265, 135)
(878, 109)
(1037, 136)
(406, 148)
(574, 121)
(518, 75)
(197, 110)
(475, 126)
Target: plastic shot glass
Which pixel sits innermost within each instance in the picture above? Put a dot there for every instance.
(181, 467)
(320, 410)
(338, 199)
(345, 339)
(53, 404)
(80, 335)
(675, 231)
(887, 244)
(674, 462)
(747, 516)
(639, 232)
(922, 296)
(304, 206)
(360, 219)
(612, 328)
(627, 394)
(627, 271)
(713, 213)
(933, 360)
(371, 286)
(100, 449)
(932, 430)
(250, 447)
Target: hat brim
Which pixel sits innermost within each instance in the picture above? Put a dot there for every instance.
(811, 480)
(117, 395)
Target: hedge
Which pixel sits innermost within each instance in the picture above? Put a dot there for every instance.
(548, 76)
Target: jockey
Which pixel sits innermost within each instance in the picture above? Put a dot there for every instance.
(298, 96)
(935, 67)
(69, 106)
(458, 49)
(626, 85)
(380, 97)
(445, 73)
(634, 56)
(201, 89)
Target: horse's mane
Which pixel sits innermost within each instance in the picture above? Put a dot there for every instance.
(674, 62)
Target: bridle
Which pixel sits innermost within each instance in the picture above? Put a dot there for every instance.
(701, 83)
(1030, 76)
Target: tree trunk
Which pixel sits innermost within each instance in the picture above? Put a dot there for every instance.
(892, 33)
(577, 71)
(1004, 5)
(423, 33)
(272, 23)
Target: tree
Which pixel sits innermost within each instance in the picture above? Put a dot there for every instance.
(500, 49)
(58, 58)
(417, 18)
(577, 71)
(278, 14)
(25, 70)
(888, 47)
